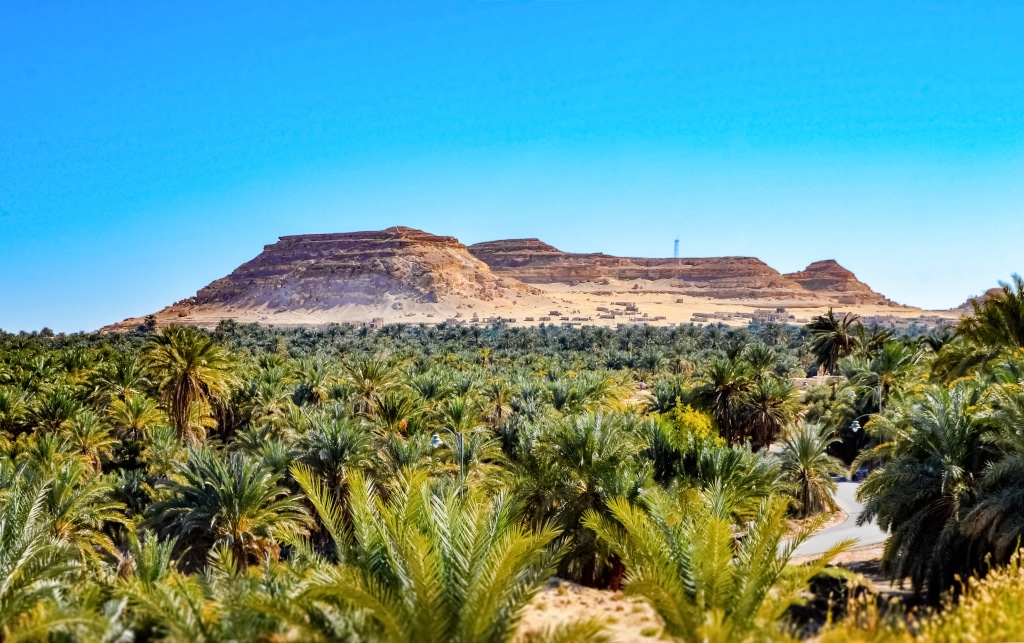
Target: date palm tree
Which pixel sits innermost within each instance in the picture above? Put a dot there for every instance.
(455, 567)
(998, 321)
(807, 466)
(833, 338)
(54, 408)
(315, 376)
(682, 554)
(132, 416)
(121, 377)
(91, 438)
(232, 501)
(332, 448)
(82, 510)
(999, 513)
(937, 453)
(767, 408)
(587, 459)
(13, 409)
(721, 392)
(369, 378)
(996, 328)
(35, 566)
(192, 371)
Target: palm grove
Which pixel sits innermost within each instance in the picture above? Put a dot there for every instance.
(423, 483)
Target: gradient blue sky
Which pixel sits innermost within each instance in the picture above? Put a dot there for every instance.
(147, 148)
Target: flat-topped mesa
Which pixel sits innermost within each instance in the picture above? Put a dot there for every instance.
(532, 261)
(324, 271)
(829, 277)
(403, 275)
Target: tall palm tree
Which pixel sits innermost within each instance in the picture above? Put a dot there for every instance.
(999, 514)
(332, 448)
(894, 366)
(192, 370)
(807, 467)
(936, 455)
(588, 460)
(683, 556)
(761, 358)
(767, 408)
(498, 399)
(235, 502)
(998, 321)
(833, 338)
(458, 567)
(995, 328)
(721, 391)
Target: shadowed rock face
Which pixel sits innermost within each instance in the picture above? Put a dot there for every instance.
(323, 271)
(532, 261)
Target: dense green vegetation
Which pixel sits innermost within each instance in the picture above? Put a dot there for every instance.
(422, 483)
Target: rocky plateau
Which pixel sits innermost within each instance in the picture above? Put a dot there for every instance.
(405, 275)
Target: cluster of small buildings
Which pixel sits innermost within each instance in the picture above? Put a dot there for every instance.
(758, 316)
(894, 322)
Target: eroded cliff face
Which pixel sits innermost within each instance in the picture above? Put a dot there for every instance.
(406, 275)
(535, 262)
(829, 278)
(324, 271)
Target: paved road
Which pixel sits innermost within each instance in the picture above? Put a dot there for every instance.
(868, 534)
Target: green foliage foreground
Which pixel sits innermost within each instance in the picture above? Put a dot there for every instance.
(422, 484)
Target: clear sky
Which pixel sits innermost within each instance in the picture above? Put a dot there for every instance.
(147, 148)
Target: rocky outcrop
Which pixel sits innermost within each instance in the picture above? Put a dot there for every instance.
(349, 277)
(406, 275)
(535, 262)
(829, 278)
(323, 271)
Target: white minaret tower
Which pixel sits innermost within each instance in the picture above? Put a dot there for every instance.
(675, 250)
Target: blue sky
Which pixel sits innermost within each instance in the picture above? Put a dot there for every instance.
(147, 148)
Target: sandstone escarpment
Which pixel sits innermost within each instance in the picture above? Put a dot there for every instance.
(324, 271)
(828, 277)
(410, 276)
(535, 262)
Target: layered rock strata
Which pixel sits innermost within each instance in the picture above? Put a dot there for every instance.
(323, 271)
(535, 262)
(831, 279)
(406, 275)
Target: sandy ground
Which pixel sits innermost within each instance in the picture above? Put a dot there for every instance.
(630, 619)
(627, 619)
(558, 304)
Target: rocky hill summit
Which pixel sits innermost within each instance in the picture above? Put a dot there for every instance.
(323, 271)
(831, 278)
(353, 276)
